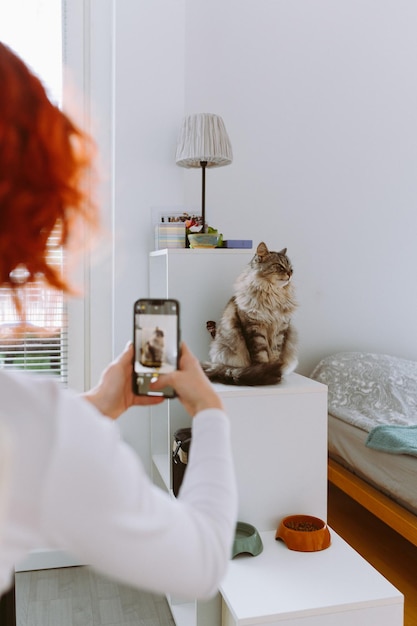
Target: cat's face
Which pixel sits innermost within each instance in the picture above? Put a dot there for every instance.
(275, 266)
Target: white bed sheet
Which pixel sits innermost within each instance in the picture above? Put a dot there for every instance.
(393, 474)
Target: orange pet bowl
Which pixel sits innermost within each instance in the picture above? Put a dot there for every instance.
(304, 533)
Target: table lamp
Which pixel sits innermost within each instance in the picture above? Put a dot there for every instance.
(203, 142)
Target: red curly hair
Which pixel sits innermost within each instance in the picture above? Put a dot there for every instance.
(44, 158)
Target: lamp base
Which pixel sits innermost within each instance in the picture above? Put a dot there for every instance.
(203, 194)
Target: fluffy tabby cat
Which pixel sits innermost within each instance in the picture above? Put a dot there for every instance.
(255, 343)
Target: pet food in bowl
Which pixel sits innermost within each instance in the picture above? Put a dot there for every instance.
(304, 533)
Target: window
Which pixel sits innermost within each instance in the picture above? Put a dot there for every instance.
(40, 343)
(33, 29)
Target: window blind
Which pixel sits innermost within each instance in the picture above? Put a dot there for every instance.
(39, 343)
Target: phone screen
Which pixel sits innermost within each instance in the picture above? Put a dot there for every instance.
(156, 341)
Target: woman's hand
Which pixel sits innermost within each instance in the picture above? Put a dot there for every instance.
(193, 388)
(113, 395)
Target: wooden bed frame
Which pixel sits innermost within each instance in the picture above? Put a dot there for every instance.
(394, 515)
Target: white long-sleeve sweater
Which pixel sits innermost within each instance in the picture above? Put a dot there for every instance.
(71, 483)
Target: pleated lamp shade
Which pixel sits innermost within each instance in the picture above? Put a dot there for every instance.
(203, 142)
(203, 137)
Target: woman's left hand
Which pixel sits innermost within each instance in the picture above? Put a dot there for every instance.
(113, 395)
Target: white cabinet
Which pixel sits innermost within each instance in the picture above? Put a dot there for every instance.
(279, 436)
(279, 440)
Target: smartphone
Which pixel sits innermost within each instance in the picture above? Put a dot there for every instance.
(156, 338)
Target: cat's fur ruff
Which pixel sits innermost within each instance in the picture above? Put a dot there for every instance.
(255, 343)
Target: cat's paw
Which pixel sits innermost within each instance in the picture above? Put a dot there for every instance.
(289, 367)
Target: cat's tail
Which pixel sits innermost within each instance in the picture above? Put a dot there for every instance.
(252, 375)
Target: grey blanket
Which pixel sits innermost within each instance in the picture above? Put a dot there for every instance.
(367, 390)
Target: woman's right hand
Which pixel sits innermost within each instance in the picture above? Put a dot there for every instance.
(192, 386)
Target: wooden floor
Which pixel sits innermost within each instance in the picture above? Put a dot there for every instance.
(76, 596)
(389, 553)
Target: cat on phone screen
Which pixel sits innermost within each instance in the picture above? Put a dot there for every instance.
(153, 351)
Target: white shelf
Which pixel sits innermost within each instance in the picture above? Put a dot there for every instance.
(189, 253)
(183, 614)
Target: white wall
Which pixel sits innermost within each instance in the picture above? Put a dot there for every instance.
(320, 101)
(148, 104)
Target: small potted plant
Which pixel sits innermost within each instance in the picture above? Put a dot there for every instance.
(196, 238)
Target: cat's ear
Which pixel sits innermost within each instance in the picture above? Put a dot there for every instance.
(283, 251)
(262, 249)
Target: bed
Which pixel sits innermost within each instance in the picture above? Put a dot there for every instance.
(372, 433)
